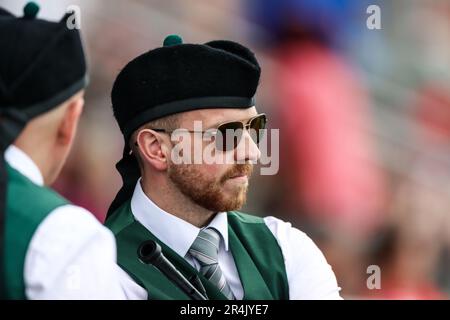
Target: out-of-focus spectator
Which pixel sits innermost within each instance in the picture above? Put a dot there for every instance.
(327, 153)
(329, 157)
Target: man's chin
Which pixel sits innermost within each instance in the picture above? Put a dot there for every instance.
(223, 196)
(234, 200)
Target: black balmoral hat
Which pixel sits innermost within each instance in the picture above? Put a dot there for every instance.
(177, 78)
(42, 64)
(181, 77)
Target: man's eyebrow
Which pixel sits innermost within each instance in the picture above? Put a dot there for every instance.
(215, 125)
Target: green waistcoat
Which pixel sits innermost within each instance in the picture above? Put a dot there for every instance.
(255, 250)
(27, 204)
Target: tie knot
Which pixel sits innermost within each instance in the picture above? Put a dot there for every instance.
(206, 246)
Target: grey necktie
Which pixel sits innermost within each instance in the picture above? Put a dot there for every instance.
(205, 249)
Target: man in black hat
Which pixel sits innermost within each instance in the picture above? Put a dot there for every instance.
(49, 249)
(176, 105)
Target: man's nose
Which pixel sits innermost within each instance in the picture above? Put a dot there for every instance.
(247, 150)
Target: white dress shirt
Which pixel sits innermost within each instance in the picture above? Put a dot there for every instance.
(71, 255)
(309, 275)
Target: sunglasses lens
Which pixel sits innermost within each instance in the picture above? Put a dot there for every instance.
(229, 135)
(256, 128)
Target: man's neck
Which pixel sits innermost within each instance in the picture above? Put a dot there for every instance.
(24, 163)
(176, 203)
(40, 159)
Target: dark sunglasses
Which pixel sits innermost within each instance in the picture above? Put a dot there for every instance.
(229, 134)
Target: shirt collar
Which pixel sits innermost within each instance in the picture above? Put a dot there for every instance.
(176, 233)
(20, 161)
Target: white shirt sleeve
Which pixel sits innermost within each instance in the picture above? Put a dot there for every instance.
(72, 256)
(133, 291)
(309, 275)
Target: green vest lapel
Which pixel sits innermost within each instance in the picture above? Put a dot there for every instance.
(258, 257)
(148, 276)
(252, 282)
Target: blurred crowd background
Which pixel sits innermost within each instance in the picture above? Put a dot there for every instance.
(364, 119)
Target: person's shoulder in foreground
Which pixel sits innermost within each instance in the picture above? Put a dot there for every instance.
(49, 248)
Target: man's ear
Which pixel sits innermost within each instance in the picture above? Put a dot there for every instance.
(68, 126)
(153, 149)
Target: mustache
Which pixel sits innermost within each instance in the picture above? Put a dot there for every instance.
(238, 170)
